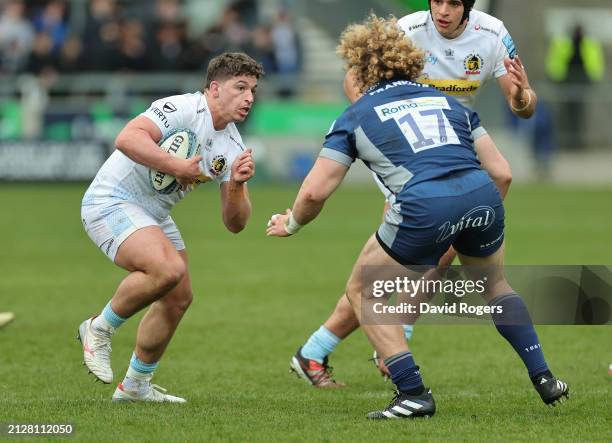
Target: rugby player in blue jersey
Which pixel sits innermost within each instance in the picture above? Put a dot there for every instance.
(419, 142)
(464, 50)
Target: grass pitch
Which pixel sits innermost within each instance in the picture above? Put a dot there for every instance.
(257, 300)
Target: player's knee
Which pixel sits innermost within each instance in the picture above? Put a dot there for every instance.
(183, 301)
(353, 292)
(169, 273)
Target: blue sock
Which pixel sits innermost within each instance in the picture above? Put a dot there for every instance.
(514, 324)
(408, 331)
(320, 344)
(142, 367)
(405, 373)
(111, 317)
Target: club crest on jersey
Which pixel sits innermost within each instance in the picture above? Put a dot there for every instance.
(449, 53)
(218, 165)
(473, 64)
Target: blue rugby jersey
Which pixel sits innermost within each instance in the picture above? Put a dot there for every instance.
(406, 133)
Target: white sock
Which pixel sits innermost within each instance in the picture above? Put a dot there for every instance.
(136, 381)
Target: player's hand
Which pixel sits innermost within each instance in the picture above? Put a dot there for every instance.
(187, 171)
(518, 77)
(244, 167)
(447, 259)
(276, 225)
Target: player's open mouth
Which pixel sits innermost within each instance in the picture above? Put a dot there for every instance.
(443, 23)
(244, 111)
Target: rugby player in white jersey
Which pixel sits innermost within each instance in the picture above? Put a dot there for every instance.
(464, 48)
(130, 222)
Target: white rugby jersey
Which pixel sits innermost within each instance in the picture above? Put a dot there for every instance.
(460, 66)
(121, 178)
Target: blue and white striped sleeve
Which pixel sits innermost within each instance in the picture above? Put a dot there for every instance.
(339, 144)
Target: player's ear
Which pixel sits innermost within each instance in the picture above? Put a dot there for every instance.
(214, 88)
(351, 90)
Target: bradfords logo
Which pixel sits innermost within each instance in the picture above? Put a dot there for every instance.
(399, 108)
(473, 63)
(479, 217)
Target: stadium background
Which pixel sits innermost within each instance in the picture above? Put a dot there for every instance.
(93, 64)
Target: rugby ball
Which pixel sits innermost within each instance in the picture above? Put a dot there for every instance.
(181, 143)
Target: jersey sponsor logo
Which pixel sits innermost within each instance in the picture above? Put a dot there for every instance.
(420, 25)
(200, 111)
(430, 58)
(455, 87)
(478, 27)
(162, 117)
(473, 63)
(218, 165)
(481, 217)
(400, 107)
(169, 108)
(509, 44)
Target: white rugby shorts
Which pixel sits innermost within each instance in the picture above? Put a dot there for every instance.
(109, 225)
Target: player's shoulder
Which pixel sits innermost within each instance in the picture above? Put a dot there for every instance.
(414, 23)
(184, 103)
(484, 23)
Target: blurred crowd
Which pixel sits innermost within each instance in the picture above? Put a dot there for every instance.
(65, 36)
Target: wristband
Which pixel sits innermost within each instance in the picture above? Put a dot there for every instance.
(292, 226)
(524, 107)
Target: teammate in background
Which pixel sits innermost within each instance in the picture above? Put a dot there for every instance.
(130, 222)
(6, 318)
(464, 49)
(420, 143)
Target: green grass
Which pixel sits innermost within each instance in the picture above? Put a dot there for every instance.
(257, 299)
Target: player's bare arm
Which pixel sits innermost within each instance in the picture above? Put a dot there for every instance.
(138, 140)
(235, 202)
(494, 163)
(324, 178)
(515, 86)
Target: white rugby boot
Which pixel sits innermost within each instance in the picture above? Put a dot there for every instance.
(6, 318)
(149, 392)
(96, 351)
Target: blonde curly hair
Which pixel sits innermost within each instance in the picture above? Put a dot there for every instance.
(377, 50)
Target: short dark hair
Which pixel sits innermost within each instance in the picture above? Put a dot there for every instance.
(232, 64)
